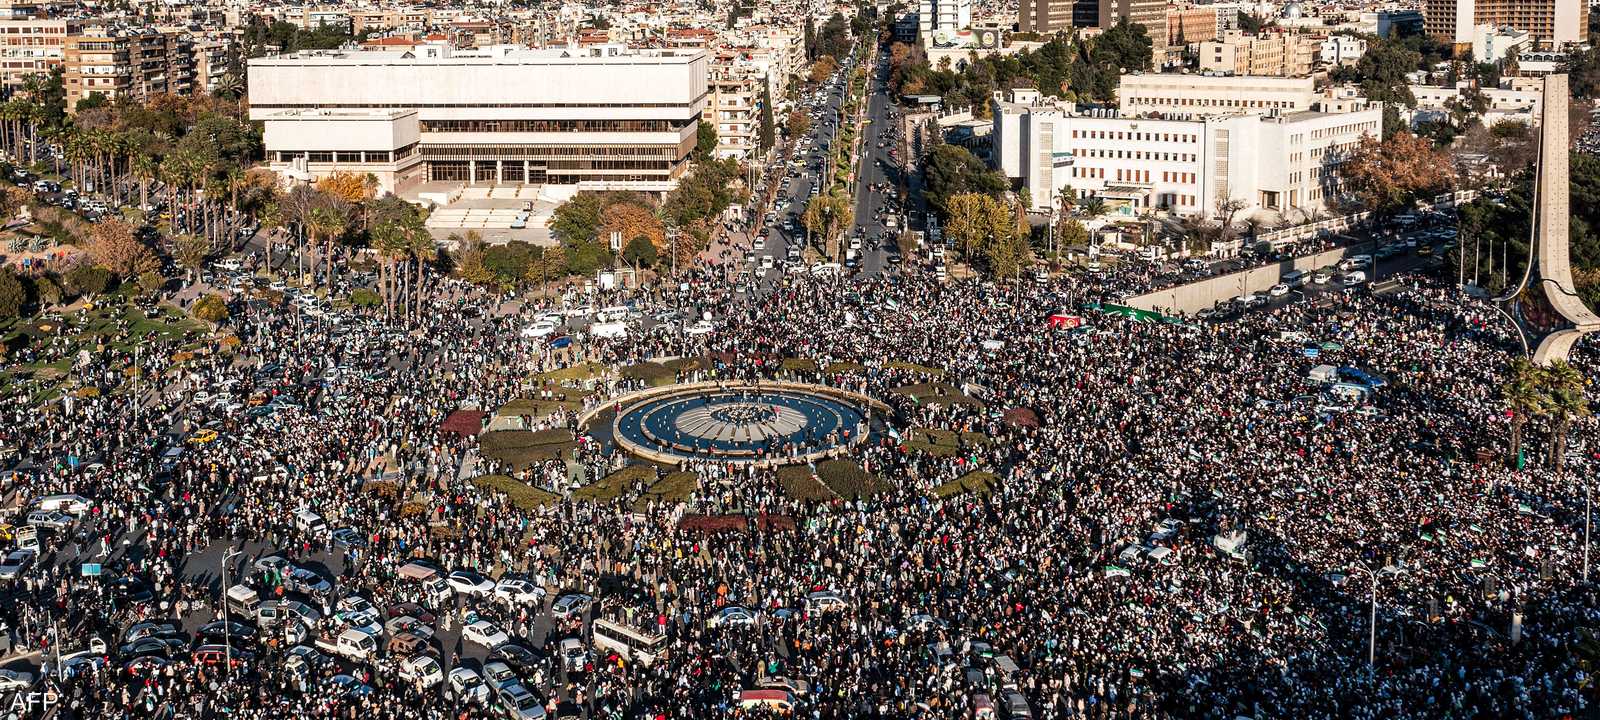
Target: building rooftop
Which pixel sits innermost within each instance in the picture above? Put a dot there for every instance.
(492, 55)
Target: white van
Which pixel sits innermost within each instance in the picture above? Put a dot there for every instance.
(1294, 278)
(352, 645)
(243, 600)
(1354, 277)
(609, 330)
(310, 522)
(70, 504)
(616, 313)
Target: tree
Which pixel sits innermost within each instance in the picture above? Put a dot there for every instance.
(13, 294)
(1387, 176)
(190, 251)
(578, 219)
(631, 221)
(1070, 232)
(1564, 386)
(967, 221)
(641, 251)
(823, 68)
(797, 124)
(1383, 71)
(1525, 398)
(114, 247)
(149, 282)
(1125, 47)
(469, 261)
(350, 187)
(210, 308)
(705, 144)
(826, 215)
(953, 170)
(88, 280)
(767, 132)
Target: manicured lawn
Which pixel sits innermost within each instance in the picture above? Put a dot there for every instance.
(913, 367)
(577, 373)
(797, 482)
(978, 482)
(614, 485)
(937, 393)
(845, 367)
(799, 365)
(849, 481)
(521, 448)
(522, 495)
(943, 443)
(652, 373)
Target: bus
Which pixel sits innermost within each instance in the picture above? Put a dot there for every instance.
(631, 643)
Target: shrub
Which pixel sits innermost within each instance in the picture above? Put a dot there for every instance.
(799, 365)
(362, 297)
(88, 280)
(211, 309)
(845, 367)
(849, 481)
(13, 294)
(150, 282)
(382, 488)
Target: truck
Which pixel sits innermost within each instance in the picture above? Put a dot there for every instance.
(352, 645)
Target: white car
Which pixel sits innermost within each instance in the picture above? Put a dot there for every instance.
(468, 686)
(14, 680)
(72, 504)
(421, 670)
(572, 605)
(573, 656)
(467, 582)
(766, 262)
(485, 633)
(515, 591)
(825, 601)
(1279, 290)
(539, 330)
(702, 327)
(732, 615)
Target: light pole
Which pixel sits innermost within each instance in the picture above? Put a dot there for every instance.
(1372, 622)
(227, 630)
(1588, 515)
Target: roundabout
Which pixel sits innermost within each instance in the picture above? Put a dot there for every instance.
(786, 422)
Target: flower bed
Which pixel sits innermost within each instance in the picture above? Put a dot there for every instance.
(735, 523)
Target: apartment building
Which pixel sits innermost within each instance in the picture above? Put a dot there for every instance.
(1047, 17)
(735, 101)
(30, 45)
(1152, 14)
(951, 15)
(1146, 93)
(1342, 49)
(127, 62)
(1277, 164)
(211, 57)
(1269, 54)
(1552, 24)
(601, 117)
(1189, 25)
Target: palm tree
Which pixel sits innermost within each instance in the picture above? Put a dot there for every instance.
(1565, 387)
(325, 223)
(1524, 395)
(1093, 207)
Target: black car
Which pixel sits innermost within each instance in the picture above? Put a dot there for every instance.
(524, 661)
(129, 589)
(219, 632)
(150, 647)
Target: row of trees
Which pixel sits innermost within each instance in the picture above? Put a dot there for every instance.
(989, 229)
(1085, 70)
(1554, 392)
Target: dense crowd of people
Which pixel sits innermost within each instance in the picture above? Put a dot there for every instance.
(1180, 522)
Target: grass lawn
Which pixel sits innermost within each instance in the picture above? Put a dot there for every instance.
(977, 481)
(522, 495)
(614, 485)
(676, 487)
(577, 373)
(799, 365)
(849, 481)
(845, 367)
(937, 393)
(653, 373)
(943, 443)
(539, 407)
(521, 448)
(798, 483)
(913, 367)
(688, 364)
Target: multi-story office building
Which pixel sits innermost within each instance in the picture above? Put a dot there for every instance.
(1276, 163)
(1552, 24)
(30, 45)
(1052, 16)
(1152, 14)
(1145, 93)
(1271, 54)
(598, 117)
(1189, 25)
(127, 62)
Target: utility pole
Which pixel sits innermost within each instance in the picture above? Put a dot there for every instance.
(227, 630)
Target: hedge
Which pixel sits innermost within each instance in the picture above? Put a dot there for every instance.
(978, 481)
(849, 481)
(614, 485)
(798, 483)
(522, 495)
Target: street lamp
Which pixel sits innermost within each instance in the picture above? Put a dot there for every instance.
(1372, 623)
(227, 629)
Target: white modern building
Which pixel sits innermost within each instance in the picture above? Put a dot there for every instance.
(1277, 164)
(1145, 93)
(1342, 49)
(948, 15)
(597, 117)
